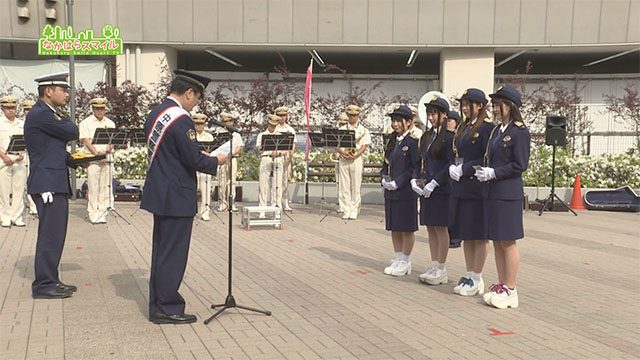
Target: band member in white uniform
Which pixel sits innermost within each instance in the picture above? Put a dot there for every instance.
(26, 107)
(283, 127)
(351, 164)
(98, 177)
(204, 180)
(343, 120)
(223, 170)
(13, 174)
(270, 168)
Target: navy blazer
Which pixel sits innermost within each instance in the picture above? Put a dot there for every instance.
(436, 169)
(46, 134)
(170, 187)
(471, 149)
(403, 162)
(508, 155)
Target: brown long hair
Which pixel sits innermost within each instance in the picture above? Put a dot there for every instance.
(482, 115)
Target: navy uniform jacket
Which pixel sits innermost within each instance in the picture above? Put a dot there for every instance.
(46, 135)
(509, 156)
(403, 162)
(436, 169)
(472, 150)
(170, 187)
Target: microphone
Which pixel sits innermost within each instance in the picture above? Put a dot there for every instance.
(229, 128)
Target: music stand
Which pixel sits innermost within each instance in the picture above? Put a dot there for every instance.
(230, 301)
(318, 141)
(138, 137)
(339, 138)
(115, 137)
(17, 146)
(277, 142)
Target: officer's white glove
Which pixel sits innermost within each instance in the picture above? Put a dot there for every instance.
(47, 197)
(384, 183)
(455, 172)
(428, 189)
(392, 186)
(485, 174)
(415, 187)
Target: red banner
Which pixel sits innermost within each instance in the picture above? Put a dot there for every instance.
(307, 106)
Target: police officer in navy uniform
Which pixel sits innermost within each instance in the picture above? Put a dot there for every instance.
(467, 198)
(46, 134)
(400, 202)
(434, 191)
(507, 157)
(170, 193)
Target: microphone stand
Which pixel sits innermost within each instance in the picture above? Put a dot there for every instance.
(230, 301)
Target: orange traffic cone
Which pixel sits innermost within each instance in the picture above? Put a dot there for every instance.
(576, 198)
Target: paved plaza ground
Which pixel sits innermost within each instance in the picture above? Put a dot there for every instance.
(579, 292)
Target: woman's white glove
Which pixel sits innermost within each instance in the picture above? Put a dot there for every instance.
(428, 189)
(415, 187)
(392, 186)
(485, 174)
(455, 172)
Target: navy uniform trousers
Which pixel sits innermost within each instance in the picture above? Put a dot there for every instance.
(52, 231)
(171, 238)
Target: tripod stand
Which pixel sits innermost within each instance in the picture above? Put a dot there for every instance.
(230, 301)
(110, 137)
(548, 202)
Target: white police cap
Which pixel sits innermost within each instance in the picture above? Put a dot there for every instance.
(57, 79)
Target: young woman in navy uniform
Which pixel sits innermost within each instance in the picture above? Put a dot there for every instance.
(506, 158)
(435, 189)
(400, 203)
(453, 120)
(467, 206)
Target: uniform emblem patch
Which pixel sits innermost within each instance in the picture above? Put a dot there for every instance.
(476, 135)
(405, 148)
(506, 138)
(191, 134)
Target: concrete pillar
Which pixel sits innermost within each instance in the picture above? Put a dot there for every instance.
(150, 59)
(463, 68)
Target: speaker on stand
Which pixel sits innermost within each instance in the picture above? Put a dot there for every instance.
(555, 135)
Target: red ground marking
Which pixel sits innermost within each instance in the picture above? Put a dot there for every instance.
(587, 263)
(78, 247)
(289, 241)
(363, 272)
(496, 332)
(87, 285)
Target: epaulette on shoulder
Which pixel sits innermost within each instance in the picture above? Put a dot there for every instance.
(488, 120)
(414, 136)
(519, 124)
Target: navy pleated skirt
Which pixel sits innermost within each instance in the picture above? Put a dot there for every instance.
(434, 210)
(468, 218)
(505, 219)
(401, 215)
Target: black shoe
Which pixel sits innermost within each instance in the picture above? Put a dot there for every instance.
(65, 287)
(454, 243)
(162, 318)
(55, 293)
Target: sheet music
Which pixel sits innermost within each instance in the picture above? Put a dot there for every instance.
(222, 149)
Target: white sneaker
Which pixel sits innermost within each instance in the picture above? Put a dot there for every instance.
(221, 208)
(205, 216)
(6, 223)
(437, 277)
(461, 281)
(345, 217)
(492, 291)
(388, 269)
(505, 298)
(422, 277)
(353, 217)
(402, 268)
(287, 208)
(19, 223)
(471, 287)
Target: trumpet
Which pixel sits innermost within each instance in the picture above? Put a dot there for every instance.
(335, 157)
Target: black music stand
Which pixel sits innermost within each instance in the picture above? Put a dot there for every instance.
(137, 137)
(230, 301)
(115, 137)
(318, 141)
(17, 146)
(277, 142)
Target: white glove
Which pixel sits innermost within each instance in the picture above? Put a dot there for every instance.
(392, 186)
(47, 197)
(384, 183)
(455, 172)
(415, 187)
(428, 189)
(485, 174)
